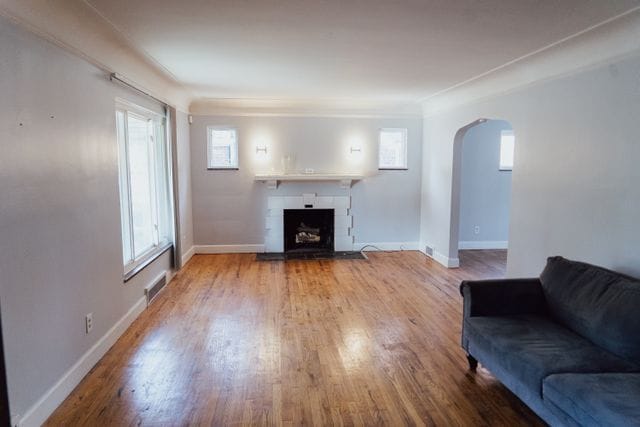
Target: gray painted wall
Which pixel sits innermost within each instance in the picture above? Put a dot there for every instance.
(485, 193)
(575, 179)
(61, 253)
(229, 208)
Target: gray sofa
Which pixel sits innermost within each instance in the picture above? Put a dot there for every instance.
(567, 343)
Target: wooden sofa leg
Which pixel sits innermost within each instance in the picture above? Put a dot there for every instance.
(473, 363)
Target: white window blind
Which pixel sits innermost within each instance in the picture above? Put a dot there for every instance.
(222, 148)
(393, 149)
(507, 146)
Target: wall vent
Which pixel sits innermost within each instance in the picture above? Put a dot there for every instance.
(428, 250)
(155, 287)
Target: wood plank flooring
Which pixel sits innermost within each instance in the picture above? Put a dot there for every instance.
(232, 341)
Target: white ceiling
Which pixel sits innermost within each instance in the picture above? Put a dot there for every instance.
(365, 51)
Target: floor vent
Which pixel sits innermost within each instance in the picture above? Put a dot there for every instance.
(428, 250)
(154, 288)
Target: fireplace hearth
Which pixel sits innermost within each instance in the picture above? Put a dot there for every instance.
(308, 230)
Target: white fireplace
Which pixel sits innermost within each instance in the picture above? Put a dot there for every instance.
(274, 224)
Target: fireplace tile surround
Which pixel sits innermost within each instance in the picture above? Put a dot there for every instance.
(343, 221)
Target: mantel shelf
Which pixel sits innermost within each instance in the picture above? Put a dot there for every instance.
(272, 180)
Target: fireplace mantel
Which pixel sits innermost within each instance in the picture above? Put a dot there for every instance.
(272, 180)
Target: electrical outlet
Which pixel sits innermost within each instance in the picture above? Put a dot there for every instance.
(476, 229)
(88, 322)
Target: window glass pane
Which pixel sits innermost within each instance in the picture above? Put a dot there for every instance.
(393, 149)
(127, 250)
(141, 184)
(145, 191)
(507, 145)
(165, 226)
(222, 149)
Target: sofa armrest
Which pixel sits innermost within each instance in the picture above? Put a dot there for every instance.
(502, 297)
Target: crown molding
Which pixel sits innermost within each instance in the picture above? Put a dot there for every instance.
(304, 108)
(83, 31)
(613, 39)
(79, 29)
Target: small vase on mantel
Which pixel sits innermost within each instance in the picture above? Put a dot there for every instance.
(288, 164)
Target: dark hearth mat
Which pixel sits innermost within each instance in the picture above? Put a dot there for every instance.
(273, 256)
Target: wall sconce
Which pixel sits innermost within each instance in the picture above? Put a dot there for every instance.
(261, 149)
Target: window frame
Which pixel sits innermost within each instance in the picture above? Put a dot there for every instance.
(504, 133)
(405, 133)
(161, 241)
(236, 149)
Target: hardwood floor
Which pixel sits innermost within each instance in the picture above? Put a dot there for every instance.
(232, 341)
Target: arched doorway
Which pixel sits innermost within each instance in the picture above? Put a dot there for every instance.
(481, 186)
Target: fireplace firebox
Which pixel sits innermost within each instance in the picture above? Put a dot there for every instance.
(308, 230)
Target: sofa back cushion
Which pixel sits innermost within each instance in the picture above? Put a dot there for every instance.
(599, 304)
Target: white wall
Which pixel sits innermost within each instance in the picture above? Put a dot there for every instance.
(61, 253)
(229, 208)
(485, 193)
(575, 179)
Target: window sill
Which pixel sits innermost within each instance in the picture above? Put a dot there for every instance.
(146, 261)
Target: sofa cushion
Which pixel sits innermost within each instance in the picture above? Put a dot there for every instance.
(531, 347)
(595, 399)
(599, 304)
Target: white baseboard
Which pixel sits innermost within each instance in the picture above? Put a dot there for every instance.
(44, 407)
(485, 244)
(258, 248)
(188, 254)
(386, 246)
(441, 259)
(228, 249)
(445, 260)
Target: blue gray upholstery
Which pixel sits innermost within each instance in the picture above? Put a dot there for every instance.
(597, 303)
(533, 347)
(595, 399)
(576, 320)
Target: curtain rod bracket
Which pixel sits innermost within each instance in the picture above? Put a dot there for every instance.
(116, 77)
